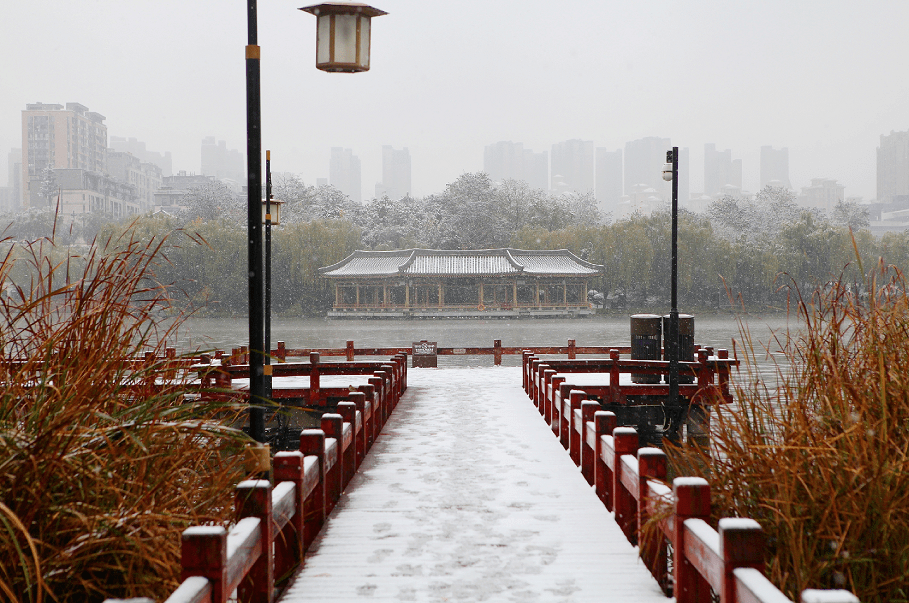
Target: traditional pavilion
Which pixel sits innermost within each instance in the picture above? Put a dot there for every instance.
(461, 283)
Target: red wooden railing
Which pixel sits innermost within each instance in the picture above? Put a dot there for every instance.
(219, 374)
(631, 482)
(276, 524)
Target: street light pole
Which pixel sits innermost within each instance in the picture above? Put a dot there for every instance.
(254, 229)
(672, 338)
(268, 223)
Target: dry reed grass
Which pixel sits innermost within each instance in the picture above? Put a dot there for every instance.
(822, 460)
(100, 469)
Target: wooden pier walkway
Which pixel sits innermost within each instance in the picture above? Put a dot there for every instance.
(468, 497)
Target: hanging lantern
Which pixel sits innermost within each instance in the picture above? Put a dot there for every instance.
(275, 216)
(342, 35)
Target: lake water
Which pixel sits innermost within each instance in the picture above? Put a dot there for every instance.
(719, 331)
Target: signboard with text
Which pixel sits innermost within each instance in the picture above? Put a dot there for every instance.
(424, 354)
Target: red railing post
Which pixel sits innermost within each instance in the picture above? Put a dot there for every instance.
(497, 351)
(741, 545)
(651, 466)
(571, 349)
(604, 423)
(203, 552)
(281, 352)
(692, 500)
(546, 395)
(526, 355)
(381, 410)
(253, 499)
(171, 357)
(289, 467)
(614, 377)
(534, 385)
(333, 426)
(392, 384)
(364, 439)
(315, 393)
(588, 448)
(626, 507)
(370, 392)
(349, 351)
(312, 443)
(572, 439)
(353, 456)
(556, 383)
(538, 390)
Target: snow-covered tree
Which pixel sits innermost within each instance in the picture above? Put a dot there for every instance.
(213, 201)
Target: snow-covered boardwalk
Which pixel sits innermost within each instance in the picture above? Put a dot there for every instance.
(467, 496)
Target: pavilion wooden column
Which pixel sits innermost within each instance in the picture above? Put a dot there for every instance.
(564, 292)
(358, 294)
(406, 294)
(441, 297)
(385, 294)
(337, 295)
(481, 293)
(536, 299)
(514, 293)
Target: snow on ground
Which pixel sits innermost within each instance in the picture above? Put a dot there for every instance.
(467, 496)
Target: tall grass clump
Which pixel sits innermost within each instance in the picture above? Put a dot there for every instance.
(821, 458)
(101, 467)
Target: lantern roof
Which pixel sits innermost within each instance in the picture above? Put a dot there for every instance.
(349, 8)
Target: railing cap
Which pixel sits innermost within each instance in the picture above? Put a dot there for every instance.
(618, 431)
(204, 531)
(249, 484)
(649, 451)
(828, 596)
(689, 482)
(738, 523)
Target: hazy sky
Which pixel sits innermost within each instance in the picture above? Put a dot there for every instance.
(824, 78)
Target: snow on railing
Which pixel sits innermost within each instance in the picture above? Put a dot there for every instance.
(630, 482)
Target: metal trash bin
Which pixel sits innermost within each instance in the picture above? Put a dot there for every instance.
(686, 342)
(646, 341)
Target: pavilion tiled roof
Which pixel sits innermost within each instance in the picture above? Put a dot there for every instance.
(480, 262)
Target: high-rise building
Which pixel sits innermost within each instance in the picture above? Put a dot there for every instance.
(722, 173)
(608, 179)
(572, 165)
(893, 168)
(396, 180)
(684, 178)
(344, 173)
(511, 161)
(220, 162)
(57, 137)
(11, 199)
(824, 194)
(644, 159)
(137, 149)
(87, 191)
(145, 176)
(775, 167)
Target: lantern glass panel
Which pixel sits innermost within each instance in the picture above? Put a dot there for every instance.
(345, 39)
(323, 39)
(364, 42)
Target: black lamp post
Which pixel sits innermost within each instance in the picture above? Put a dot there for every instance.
(342, 45)
(671, 172)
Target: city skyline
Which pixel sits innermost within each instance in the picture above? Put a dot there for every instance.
(741, 77)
